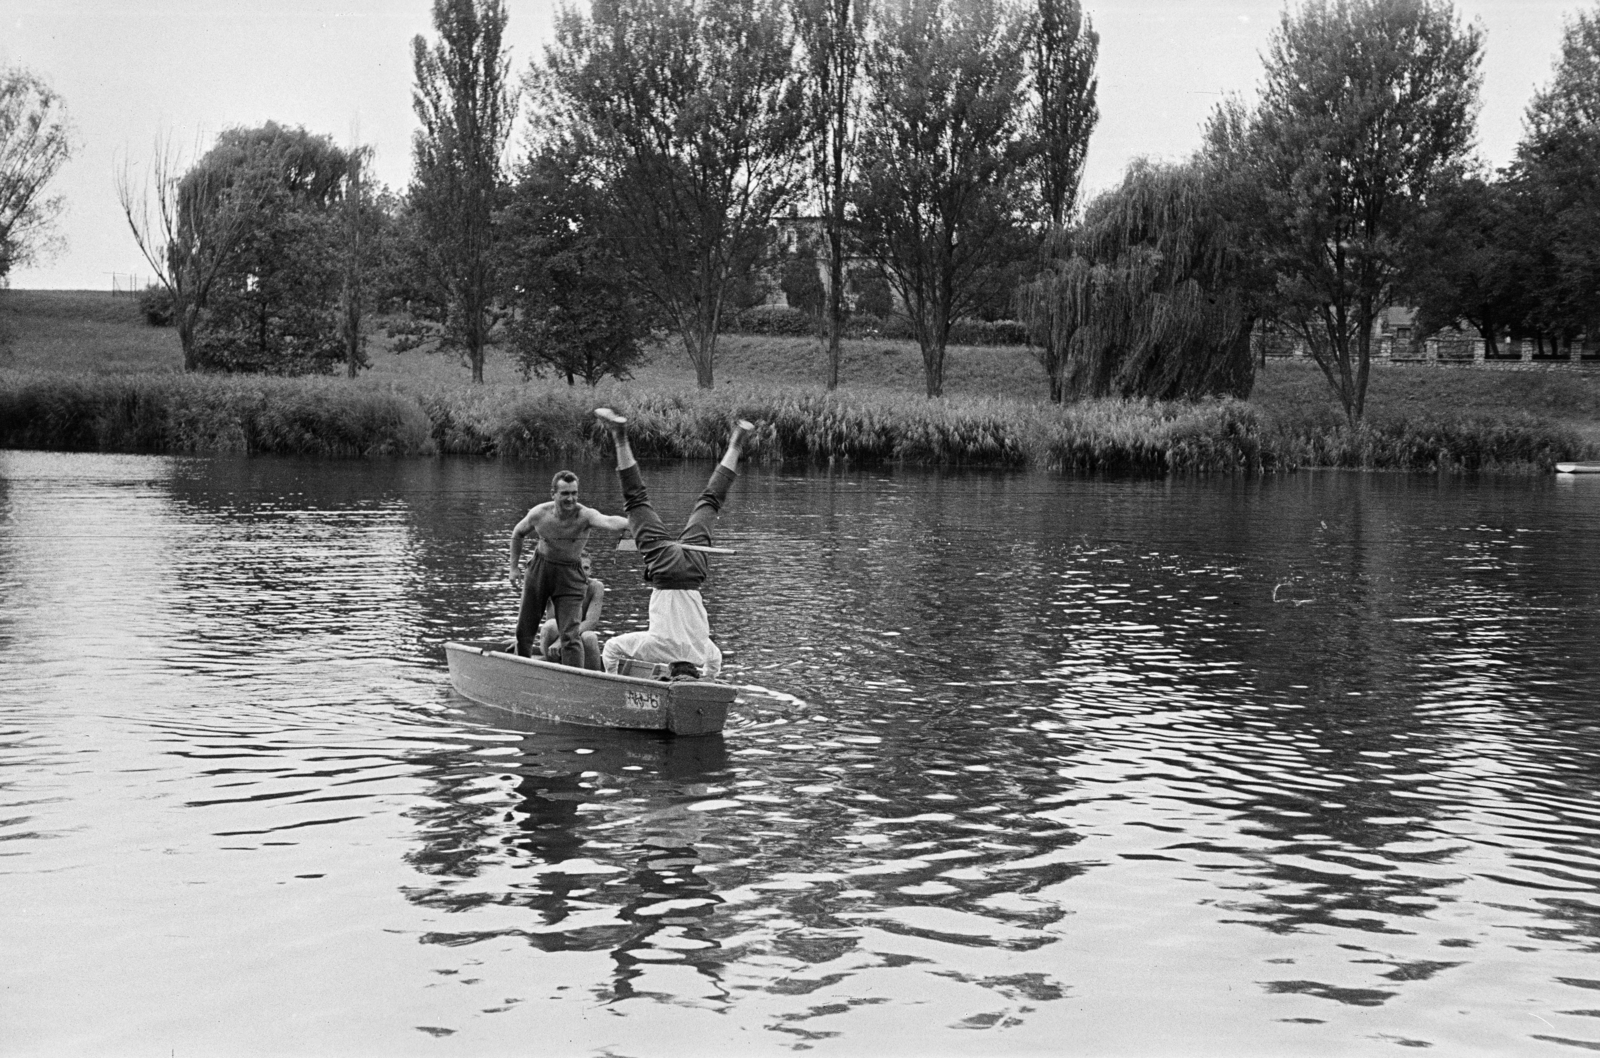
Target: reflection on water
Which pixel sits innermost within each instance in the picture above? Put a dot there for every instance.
(1286, 766)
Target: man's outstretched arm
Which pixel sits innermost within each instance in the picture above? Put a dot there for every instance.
(616, 523)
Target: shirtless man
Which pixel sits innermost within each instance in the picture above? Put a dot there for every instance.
(674, 562)
(555, 572)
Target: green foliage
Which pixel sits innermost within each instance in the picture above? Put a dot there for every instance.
(1555, 187)
(944, 159)
(687, 114)
(1063, 86)
(802, 285)
(466, 111)
(201, 413)
(832, 35)
(1150, 297)
(35, 142)
(273, 307)
(155, 304)
(1459, 266)
(576, 313)
(1366, 107)
(775, 320)
(209, 413)
(873, 295)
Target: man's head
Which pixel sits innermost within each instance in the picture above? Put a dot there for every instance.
(564, 490)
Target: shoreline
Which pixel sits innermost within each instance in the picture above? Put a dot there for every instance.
(193, 414)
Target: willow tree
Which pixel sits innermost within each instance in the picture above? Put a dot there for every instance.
(1152, 295)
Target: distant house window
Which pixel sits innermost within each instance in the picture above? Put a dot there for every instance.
(1402, 334)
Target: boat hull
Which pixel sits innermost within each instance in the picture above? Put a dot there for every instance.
(486, 673)
(1578, 468)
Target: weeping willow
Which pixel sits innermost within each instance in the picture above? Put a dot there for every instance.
(1146, 297)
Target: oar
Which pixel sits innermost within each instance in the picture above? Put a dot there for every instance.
(627, 544)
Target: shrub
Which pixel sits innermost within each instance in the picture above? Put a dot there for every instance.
(155, 303)
(777, 320)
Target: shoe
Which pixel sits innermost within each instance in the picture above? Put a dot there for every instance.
(609, 417)
(742, 431)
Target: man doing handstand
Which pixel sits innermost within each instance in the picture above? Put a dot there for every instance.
(555, 572)
(673, 567)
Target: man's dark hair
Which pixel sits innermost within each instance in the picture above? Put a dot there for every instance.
(562, 475)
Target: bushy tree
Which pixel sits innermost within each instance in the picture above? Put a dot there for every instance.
(1366, 108)
(275, 306)
(803, 288)
(576, 314)
(1554, 182)
(466, 109)
(35, 142)
(688, 116)
(945, 160)
(1461, 265)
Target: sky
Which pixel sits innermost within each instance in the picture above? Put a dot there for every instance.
(133, 73)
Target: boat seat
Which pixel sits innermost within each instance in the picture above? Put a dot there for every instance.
(658, 670)
(644, 670)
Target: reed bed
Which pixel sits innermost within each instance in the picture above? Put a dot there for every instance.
(335, 417)
(208, 413)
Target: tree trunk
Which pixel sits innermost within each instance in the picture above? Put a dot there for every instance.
(702, 350)
(1363, 363)
(475, 357)
(933, 366)
(188, 316)
(835, 322)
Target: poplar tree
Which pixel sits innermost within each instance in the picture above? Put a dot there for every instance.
(466, 109)
(832, 32)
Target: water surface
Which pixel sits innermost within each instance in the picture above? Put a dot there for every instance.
(1025, 764)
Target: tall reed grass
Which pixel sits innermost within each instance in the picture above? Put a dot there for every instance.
(334, 417)
(208, 413)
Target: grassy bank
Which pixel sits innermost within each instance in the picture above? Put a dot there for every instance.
(185, 413)
(81, 371)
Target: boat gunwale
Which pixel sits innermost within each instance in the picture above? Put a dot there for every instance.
(570, 672)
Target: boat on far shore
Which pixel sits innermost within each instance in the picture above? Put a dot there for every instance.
(1578, 468)
(493, 674)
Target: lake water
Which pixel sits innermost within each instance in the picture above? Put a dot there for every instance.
(1025, 764)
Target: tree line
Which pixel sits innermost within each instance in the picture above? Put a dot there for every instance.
(936, 140)
(936, 148)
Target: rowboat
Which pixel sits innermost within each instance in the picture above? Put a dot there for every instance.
(493, 674)
(1578, 468)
